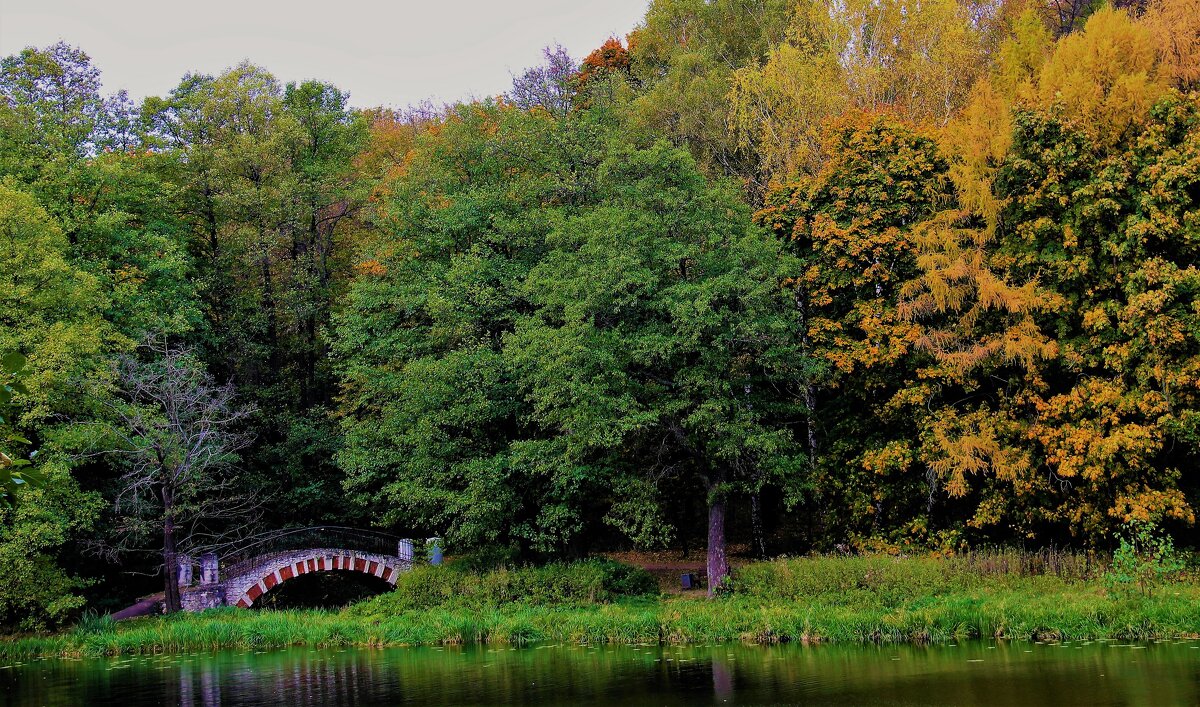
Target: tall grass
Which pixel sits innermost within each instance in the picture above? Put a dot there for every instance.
(859, 599)
(886, 580)
(1068, 565)
(587, 582)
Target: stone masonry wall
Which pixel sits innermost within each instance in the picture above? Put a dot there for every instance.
(245, 588)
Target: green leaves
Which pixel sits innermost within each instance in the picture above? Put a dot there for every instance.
(435, 438)
(13, 363)
(54, 337)
(12, 368)
(520, 343)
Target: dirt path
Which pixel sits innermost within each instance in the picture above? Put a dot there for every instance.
(669, 565)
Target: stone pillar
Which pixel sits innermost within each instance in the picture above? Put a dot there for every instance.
(435, 551)
(404, 550)
(185, 570)
(209, 568)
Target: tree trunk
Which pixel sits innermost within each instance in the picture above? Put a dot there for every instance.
(210, 218)
(756, 525)
(809, 392)
(718, 563)
(268, 301)
(810, 403)
(170, 559)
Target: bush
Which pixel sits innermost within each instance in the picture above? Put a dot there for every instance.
(1146, 558)
(456, 585)
(487, 559)
(91, 623)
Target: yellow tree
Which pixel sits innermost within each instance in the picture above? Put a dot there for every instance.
(919, 59)
(1055, 297)
(1175, 27)
(1104, 78)
(851, 227)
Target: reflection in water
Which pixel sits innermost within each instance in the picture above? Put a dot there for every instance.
(980, 673)
(722, 678)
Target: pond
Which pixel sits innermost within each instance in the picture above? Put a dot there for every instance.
(970, 673)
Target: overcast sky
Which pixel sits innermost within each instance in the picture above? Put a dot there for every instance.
(384, 52)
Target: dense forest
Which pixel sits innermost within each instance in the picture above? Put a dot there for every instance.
(798, 276)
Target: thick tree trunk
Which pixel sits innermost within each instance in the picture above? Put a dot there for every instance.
(718, 562)
(170, 557)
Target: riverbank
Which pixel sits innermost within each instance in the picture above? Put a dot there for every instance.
(849, 600)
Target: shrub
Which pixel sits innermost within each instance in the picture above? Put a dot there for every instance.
(487, 559)
(1146, 558)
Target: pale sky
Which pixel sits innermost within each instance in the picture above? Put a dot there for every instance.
(385, 53)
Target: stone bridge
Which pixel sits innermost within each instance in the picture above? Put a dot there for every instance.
(243, 576)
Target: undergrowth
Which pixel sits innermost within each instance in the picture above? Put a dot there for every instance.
(855, 599)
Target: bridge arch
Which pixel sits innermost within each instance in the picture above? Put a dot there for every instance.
(271, 571)
(241, 577)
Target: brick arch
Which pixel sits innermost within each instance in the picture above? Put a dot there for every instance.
(275, 571)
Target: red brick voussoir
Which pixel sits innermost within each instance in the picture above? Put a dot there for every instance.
(246, 589)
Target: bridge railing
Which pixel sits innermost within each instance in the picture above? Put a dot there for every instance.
(235, 561)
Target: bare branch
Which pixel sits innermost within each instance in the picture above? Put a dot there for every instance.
(177, 433)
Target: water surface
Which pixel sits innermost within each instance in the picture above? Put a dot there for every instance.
(971, 673)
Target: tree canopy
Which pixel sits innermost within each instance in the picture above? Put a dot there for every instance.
(780, 276)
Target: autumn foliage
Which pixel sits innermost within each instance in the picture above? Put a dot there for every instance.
(1035, 323)
(612, 56)
(872, 275)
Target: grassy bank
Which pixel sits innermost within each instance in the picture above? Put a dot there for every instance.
(819, 599)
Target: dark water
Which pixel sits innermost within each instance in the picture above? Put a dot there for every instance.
(976, 673)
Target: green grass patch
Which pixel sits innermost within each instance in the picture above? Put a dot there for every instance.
(859, 599)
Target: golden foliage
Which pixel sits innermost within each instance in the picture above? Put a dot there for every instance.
(1104, 77)
(917, 59)
(956, 287)
(1175, 28)
(963, 444)
(370, 267)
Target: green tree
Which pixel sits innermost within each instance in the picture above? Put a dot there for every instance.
(662, 348)
(107, 263)
(264, 181)
(53, 106)
(685, 54)
(52, 313)
(434, 421)
(79, 154)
